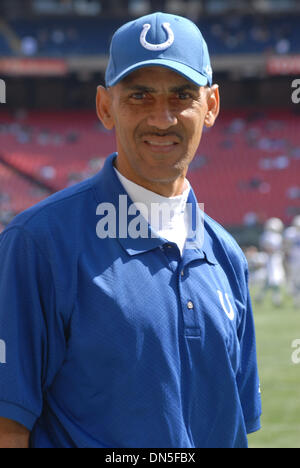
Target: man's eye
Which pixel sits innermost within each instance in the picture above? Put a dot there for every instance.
(184, 96)
(138, 96)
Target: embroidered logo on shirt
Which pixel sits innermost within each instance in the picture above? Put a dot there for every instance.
(157, 47)
(228, 310)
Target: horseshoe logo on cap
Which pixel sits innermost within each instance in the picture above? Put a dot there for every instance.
(157, 47)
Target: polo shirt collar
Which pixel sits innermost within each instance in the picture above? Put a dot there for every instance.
(203, 243)
(108, 189)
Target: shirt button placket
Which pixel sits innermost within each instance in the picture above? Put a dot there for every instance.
(191, 322)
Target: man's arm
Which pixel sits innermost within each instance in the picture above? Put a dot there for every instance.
(13, 434)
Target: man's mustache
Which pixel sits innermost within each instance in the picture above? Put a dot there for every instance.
(157, 133)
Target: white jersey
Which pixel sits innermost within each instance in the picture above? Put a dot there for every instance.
(257, 262)
(292, 248)
(272, 243)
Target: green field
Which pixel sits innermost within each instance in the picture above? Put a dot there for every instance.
(276, 329)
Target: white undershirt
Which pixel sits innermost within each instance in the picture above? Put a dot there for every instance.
(167, 216)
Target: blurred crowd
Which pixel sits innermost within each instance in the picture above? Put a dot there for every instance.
(275, 266)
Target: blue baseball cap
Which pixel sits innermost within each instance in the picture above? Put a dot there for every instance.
(159, 39)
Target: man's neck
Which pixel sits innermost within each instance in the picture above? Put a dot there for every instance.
(164, 188)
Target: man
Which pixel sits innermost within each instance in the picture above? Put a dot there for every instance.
(271, 243)
(124, 326)
(291, 244)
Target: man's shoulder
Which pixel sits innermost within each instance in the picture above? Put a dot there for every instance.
(224, 243)
(58, 207)
(58, 223)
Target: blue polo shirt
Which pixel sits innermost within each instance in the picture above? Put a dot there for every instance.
(123, 342)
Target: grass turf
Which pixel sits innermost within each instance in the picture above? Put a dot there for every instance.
(276, 329)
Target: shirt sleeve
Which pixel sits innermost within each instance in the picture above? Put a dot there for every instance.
(248, 378)
(28, 327)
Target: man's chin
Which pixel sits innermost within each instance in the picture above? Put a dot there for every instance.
(162, 176)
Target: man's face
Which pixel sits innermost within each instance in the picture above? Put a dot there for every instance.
(158, 117)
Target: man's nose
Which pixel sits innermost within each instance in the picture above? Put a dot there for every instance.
(162, 116)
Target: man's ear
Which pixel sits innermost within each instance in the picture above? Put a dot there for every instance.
(213, 103)
(103, 106)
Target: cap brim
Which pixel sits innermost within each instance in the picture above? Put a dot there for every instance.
(178, 67)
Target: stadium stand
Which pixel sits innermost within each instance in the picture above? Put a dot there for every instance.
(235, 34)
(247, 160)
(5, 49)
(250, 160)
(16, 194)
